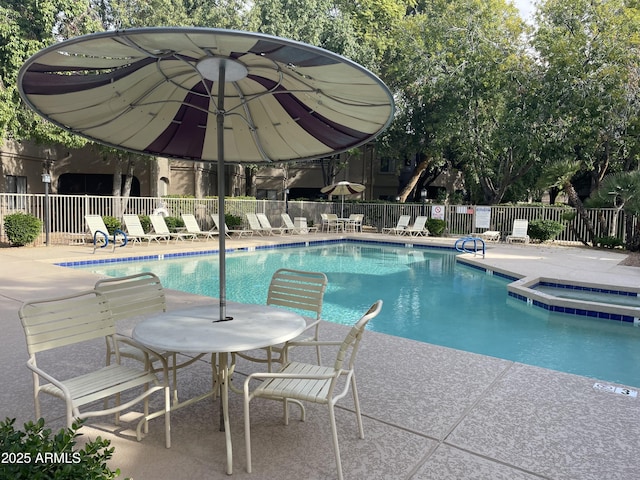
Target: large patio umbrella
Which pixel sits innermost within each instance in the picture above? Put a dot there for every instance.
(211, 95)
(343, 188)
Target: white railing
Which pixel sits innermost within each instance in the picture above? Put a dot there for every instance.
(67, 213)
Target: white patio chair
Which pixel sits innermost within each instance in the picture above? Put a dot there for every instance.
(192, 226)
(302, 382)
(135, 230)
(298, 290)
(69, 322)
(227, 231)
(401, 226)
(519, 232)
(266, 225)
(354, 223)
(160, 227)
(254, 224)
(100, 233)
(418, 228)
(133, 296)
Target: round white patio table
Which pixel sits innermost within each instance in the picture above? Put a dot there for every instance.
(198, 330)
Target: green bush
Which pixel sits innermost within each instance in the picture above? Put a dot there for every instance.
(174, 223)
(436, 226)
(22, 228)
(543, 230)
(112, 224)
(232, 221)
(608, 242)
(35, 453)
(145, 222)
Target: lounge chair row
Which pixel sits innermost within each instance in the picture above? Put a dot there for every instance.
(419, 227)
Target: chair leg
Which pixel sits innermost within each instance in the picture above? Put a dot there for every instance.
(247, 431)
(356, 402)
(334, 434)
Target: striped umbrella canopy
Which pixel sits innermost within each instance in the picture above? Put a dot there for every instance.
(202, 94)
(343, 188)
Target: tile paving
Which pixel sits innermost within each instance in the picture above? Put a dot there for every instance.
(430, 412)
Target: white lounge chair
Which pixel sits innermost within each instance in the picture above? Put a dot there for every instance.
(299, 382)
(266, 225)
(291, 227)
(160, 227)
(100, 233)
(418, 228)
(192, 226)
(490, 236)
(519, 232)
(254, 224)
(401, 226)
(228, 231)
(136, 232)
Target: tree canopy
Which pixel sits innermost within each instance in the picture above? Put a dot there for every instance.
(479, 91)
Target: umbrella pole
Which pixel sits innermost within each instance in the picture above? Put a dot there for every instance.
(221, 193)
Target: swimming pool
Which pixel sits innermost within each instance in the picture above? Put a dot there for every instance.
(428, 297)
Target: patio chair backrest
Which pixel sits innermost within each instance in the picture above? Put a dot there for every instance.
(191, 223)
(298, 289)
(133, 295)
(133, 224)
(286, 219)
(420, 223)
(95, 224)
(254, 223)
(403, 221)
(349, 348)
(159, 225)
(520, 227)
(62, 321)
(264, 221)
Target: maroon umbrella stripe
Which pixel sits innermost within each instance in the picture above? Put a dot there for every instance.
(46, 80)
(324, 130)
(184, 136)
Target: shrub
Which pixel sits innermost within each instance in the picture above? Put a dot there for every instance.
(112, 224)
(608, 242)
(543, 230)
(232, 220)
(174, 223)
(22, 228)
(145, 222)
(35, 453)
(436, 226)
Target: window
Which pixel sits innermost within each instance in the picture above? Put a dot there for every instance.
(16, 184)
(387, 165)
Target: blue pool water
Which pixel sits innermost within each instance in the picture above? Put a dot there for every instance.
(427, 297)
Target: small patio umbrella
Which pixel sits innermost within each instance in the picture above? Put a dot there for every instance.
(343, 188)
(203, 94)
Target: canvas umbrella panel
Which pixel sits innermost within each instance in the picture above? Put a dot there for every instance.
(342, 189)
(201, 94)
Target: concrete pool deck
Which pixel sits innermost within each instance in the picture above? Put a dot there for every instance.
(430, 412)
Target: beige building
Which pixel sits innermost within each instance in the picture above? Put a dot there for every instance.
(90, 171)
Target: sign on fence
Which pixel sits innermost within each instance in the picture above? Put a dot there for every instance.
(483, 217)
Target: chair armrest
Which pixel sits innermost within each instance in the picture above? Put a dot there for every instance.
(31, 366)
(118, 338)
